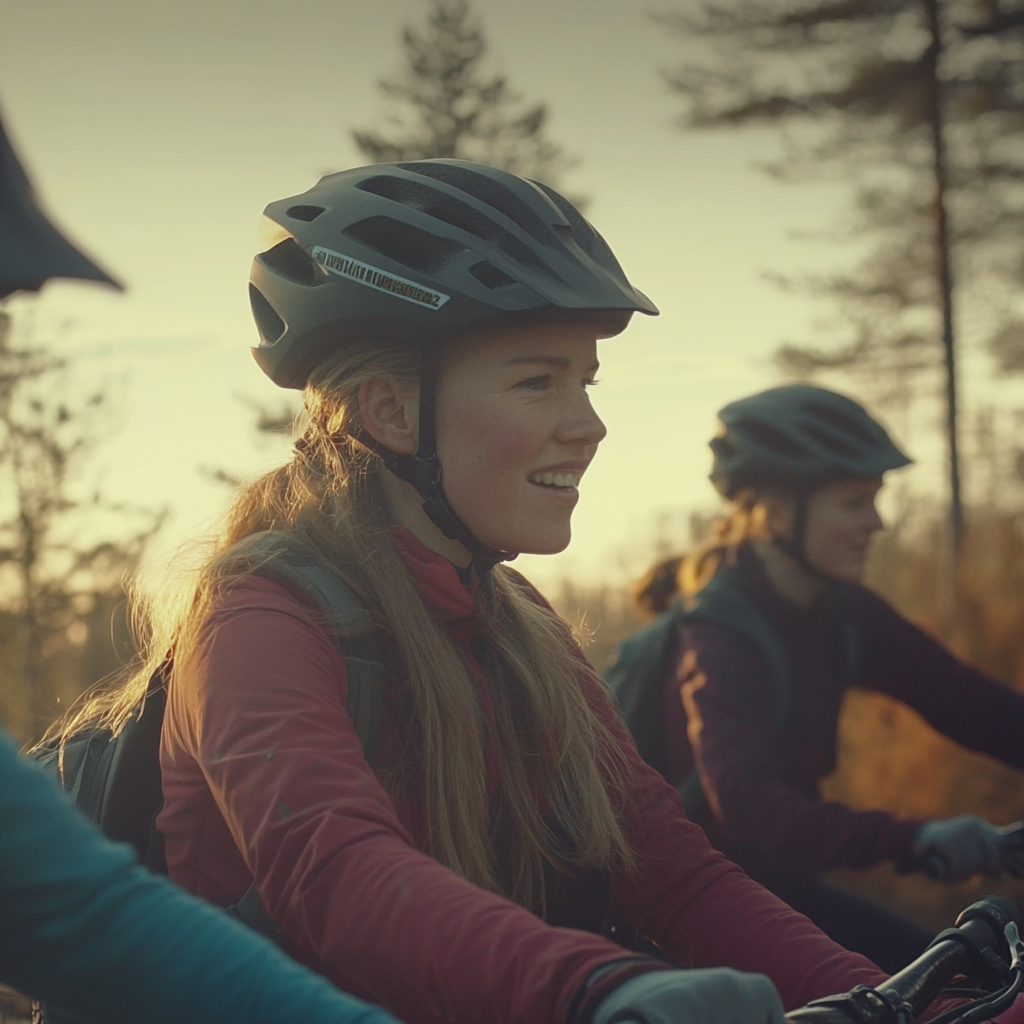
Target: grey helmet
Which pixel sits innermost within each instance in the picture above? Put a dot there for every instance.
(419, 252)
(32, 250)
(796, 438)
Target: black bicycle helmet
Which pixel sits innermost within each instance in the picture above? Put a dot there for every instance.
(419, 252)
(32, 250)
(796, 438)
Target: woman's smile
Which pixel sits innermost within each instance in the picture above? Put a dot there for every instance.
(561, 482)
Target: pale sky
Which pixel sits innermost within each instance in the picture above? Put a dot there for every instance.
(157, 132)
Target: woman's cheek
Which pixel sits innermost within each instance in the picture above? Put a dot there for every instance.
(502, 441)
(487, 467)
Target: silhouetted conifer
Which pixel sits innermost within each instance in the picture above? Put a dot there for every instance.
(921, 104)
(446, 104)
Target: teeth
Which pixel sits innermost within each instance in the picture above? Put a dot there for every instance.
(556, 479)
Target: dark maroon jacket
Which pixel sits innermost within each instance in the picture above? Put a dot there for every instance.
(762, 783)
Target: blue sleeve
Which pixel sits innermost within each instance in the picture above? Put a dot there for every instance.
(87, 930)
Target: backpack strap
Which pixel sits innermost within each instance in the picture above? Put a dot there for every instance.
(273, 554)
(282, 555)
(723, 601)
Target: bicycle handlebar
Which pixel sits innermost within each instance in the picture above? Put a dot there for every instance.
(970, 947)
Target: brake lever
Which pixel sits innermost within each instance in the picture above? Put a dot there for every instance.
(1016, 944)
(861, 1005)
(985, 1009)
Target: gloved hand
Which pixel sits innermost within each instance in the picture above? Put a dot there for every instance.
(718, 995)
(1011, 843)
(958, 848)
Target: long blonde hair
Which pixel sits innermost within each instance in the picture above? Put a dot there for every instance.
(744, 521)
(686, 575)
(563, 777)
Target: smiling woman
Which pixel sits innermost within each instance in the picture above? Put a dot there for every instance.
(516, 432)
(464, 857)
(774, 627)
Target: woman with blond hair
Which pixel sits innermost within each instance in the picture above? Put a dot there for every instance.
(461, 849)
(773, 626)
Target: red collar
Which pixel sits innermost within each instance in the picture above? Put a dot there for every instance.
(436, 577)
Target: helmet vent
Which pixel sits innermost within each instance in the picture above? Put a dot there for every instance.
(832, 442)
(270, 325)
(847, 424)
(773, 438)
(489, 275)
(458, 214)
(585, 236)
(306, 213)
(290, 260)
(491, 192)
(406, 244)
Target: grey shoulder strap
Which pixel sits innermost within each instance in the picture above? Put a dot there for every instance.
(723, 601)
(276, 554)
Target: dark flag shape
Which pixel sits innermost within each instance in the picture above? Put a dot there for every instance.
(32, 250)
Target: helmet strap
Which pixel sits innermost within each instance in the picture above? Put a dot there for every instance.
(796, 544)
(423, 470)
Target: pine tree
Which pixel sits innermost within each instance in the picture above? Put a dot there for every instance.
(919, 102)
(446, 104)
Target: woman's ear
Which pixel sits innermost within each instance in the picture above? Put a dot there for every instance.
(777, 515)
(390, 411)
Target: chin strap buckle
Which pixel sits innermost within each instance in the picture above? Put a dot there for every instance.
(425, 473)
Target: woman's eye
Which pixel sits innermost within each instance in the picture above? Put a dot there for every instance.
(536, 383)
(591, 382)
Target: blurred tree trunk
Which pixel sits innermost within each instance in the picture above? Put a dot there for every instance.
(943, 260)
(919, 103)
(444, 104)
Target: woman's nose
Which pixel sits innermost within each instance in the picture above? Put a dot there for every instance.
(582, 424)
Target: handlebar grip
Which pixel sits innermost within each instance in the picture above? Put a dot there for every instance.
(978, 933)
(976, 937)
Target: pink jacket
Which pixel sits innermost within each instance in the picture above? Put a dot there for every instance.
(266, 779)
